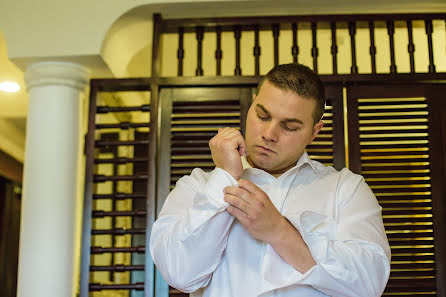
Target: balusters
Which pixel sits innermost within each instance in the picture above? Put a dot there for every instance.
(334, 27)
(314, 49)
(256, 50)
(352, 32)
(199, 33)
(180, 52)
(372, 46)
(411, 47)
(391, 32)
(237, 36)
(334, 48)
(218, 51)
(276, 31)
(429, 31)
(295, 47)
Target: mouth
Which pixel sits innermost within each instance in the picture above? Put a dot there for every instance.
(265, 149)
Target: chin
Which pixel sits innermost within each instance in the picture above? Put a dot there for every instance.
(267, 166)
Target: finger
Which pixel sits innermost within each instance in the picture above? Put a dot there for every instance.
(239, 140)
(255, 193)
(237, 203)
(227, 131)
(249, 186)
(242, 146)
(237, 213)
(238, 192)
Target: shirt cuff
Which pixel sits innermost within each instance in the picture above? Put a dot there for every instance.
(210, 201)
(218, 180)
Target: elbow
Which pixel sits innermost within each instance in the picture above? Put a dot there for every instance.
(381, 277)
(181, 280)
(360, 272)
(374, 280)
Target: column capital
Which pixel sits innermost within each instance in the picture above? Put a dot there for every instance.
(56, 73)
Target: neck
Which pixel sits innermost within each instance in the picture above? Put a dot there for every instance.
(275, 173)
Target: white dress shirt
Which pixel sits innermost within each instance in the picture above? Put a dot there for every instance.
(199, 247)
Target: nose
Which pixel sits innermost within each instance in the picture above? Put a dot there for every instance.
(270, 132)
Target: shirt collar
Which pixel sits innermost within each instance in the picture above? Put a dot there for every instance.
(306, 159)
(245, 163)
(302, 160)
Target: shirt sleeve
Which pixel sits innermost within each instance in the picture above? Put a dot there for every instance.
(191, 232)
(352, 254)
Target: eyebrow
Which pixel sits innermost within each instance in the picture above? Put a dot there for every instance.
(294, 120)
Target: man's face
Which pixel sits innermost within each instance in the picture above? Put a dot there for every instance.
(279, 126)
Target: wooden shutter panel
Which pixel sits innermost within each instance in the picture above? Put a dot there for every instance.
(193, 124)
(190, 117)
(389, 143)
(117, 186)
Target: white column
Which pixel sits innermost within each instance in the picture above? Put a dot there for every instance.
(47, 230)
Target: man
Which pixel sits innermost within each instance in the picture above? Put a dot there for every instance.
(268, 220)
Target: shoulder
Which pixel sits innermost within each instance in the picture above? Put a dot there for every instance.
(347, 176)
(344, 175)
(346, 180)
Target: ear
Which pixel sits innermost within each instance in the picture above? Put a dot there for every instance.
(253, 97)
(316, 128)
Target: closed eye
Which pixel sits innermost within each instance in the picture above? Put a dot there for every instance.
(263, 117)
(288, 128)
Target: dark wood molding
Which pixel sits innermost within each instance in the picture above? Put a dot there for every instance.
(334, 94)
(156, 39)
(227, 23)
(354, 154)
(150, 271)
(437, 148)
(88, 195)
(10, 168)
(143, 83)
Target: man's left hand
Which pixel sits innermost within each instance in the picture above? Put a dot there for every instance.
(254, 210)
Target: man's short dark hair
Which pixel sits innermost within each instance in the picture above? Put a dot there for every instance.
(300, 80)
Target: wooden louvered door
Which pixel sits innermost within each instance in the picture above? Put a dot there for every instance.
(389, 144)
(189, 118)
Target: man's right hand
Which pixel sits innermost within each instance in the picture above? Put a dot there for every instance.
(226, 148)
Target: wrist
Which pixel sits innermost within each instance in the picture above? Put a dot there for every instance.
(235, 175)
(281, 231)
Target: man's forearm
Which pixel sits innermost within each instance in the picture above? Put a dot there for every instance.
(289, 244)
